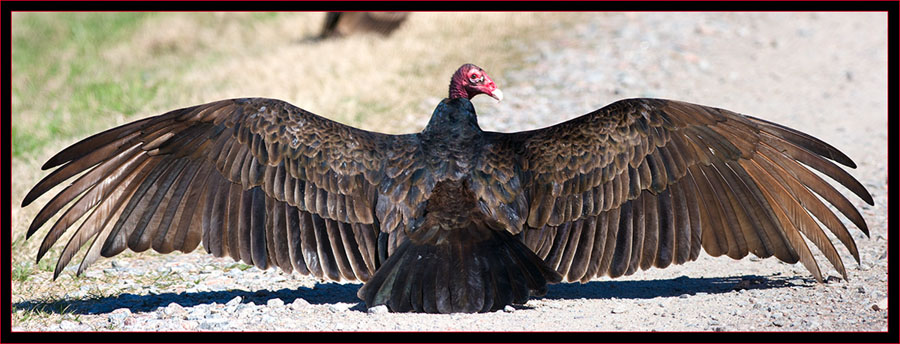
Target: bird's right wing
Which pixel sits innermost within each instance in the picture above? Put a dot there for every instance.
(647, 182)
(257, 179)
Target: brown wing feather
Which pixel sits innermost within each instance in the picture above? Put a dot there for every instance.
(255, 179)
(649, 182)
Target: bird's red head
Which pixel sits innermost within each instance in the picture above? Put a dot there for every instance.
(470, 80)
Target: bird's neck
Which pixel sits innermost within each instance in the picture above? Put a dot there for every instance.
(458, 81)
(457, 90)
(454, 119)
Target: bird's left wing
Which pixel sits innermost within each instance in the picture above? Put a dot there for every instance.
(647, 182)
(257, 179)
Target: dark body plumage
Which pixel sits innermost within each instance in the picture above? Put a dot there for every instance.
(452, 219)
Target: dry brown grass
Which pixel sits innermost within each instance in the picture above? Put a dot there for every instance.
(376, 83)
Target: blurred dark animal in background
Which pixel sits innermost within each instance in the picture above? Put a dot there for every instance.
(339, 24)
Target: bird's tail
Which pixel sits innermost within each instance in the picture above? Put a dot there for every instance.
(459, 276)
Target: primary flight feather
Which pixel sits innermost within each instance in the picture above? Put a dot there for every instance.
(453, 218)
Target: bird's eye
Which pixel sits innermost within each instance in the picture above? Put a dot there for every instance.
(476, 78)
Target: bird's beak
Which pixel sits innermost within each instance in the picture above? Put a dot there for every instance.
(497, 94)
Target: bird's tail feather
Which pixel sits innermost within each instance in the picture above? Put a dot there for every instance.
(458, 276)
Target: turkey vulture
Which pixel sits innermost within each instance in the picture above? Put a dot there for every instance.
(345, 23)
(453, 218)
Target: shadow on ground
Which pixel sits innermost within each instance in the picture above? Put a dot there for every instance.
(674, 287)
(330, 293)
(321, 293)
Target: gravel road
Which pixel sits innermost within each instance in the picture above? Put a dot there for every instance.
(822, 73)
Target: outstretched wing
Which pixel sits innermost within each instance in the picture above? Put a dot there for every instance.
(256, 179)
(647, 182)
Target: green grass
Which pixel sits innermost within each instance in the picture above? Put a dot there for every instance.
(239, 266)
(24, 269)
(42, 312)
(21, 271)
(67, 80)
(57, 73)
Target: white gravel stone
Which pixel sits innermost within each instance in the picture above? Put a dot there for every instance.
(174, 309)
(299, 304)
(198, 313)
(214, 324)
(68, 325)
(235, 301)
(118, 316)
(620, 309)
(339, 307)
(380, 309)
